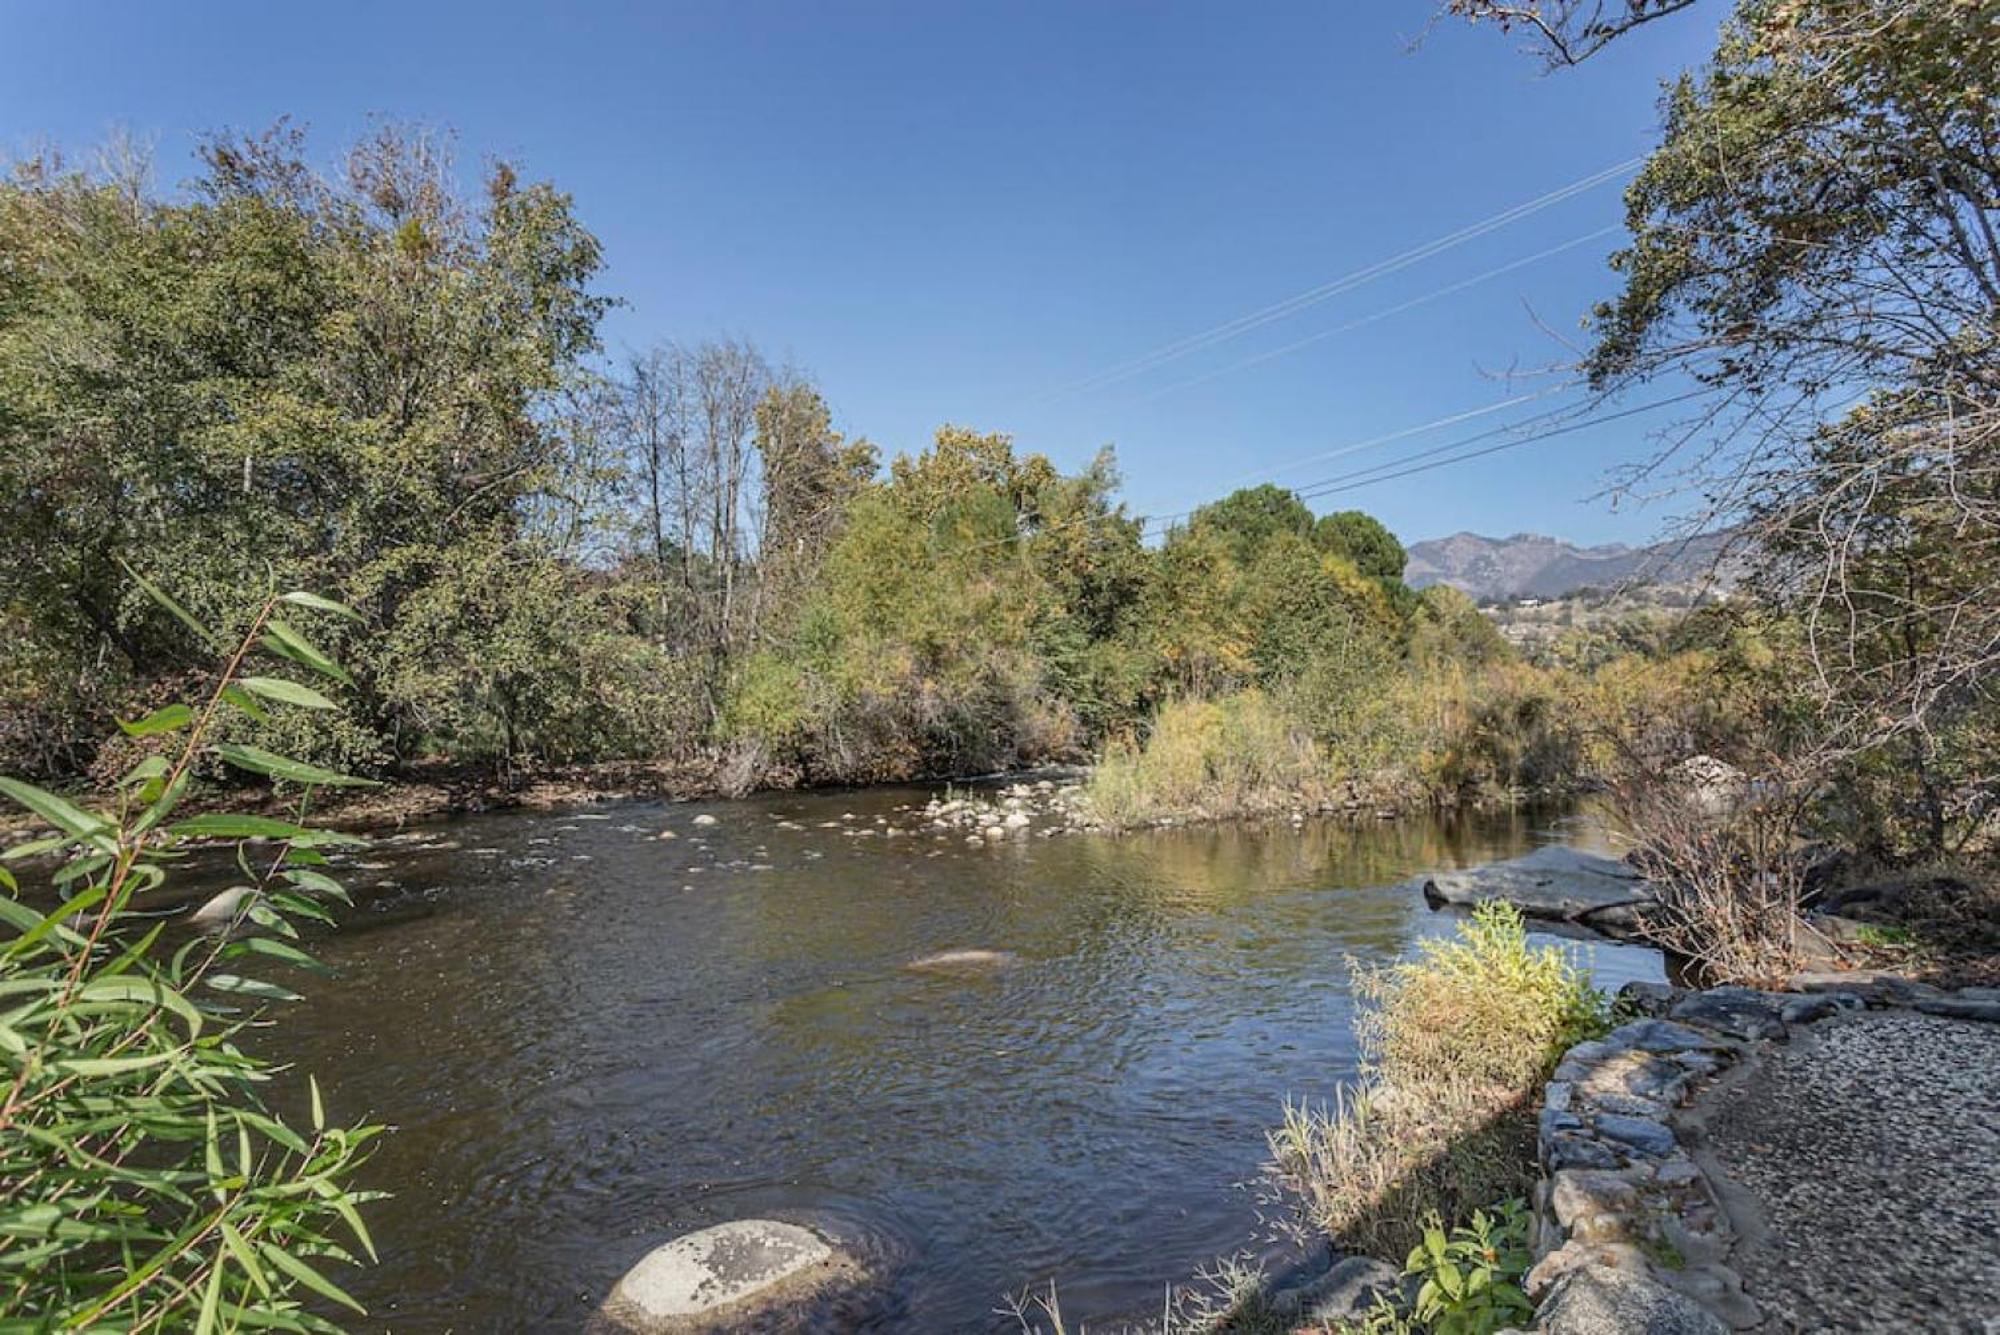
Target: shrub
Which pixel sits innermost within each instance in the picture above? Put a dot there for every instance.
(1238, 755)
(1453, 1043)
(144, 1184)
(1730, 882)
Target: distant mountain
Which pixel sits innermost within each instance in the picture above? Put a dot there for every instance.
(1529, 565)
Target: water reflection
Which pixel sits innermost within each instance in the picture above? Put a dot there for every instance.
(590, 1040)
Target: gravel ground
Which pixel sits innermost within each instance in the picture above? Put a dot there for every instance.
(1872, 1148)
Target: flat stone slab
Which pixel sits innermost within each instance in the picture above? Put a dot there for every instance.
(1552, 883)
(722, 1276)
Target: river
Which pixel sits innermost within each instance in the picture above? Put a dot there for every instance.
(590, 1040)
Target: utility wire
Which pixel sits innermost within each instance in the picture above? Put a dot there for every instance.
(1336, 485)
(1365, 320)
(1311, 296)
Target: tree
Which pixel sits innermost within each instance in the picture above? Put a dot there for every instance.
(356, 380)
(1816, 243)
(1251, 516)
(811, 474)
(1567, 32)
(1362, 539)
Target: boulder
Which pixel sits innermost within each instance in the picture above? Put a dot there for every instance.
(1550, 883)
(704, 819)
(1344, 1293)
(726, 1277)
(1713, 787)
(1736, 1011)
(1600, 1300)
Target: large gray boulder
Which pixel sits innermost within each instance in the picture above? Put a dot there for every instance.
(1600, 1300)
(1347, 1292)
(731, 1276)
(1554, 883)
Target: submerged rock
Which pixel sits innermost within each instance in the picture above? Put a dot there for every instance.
(219, 912)
(726, 1277)
(965, 959)
(704, 819)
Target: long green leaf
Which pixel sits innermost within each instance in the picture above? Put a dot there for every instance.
(54, 810)
(186, 618)
(287, 692)
(259, 761)
(250, 987)
(282, 640)
(223, 825)
(300, 598)
(166, 718)
(308, 1276)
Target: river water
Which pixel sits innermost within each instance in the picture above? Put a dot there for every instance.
(590, 1040)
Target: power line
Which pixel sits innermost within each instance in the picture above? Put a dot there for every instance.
(1334, 287)
(1365, 320)
(1334, 486)
(1356, 447)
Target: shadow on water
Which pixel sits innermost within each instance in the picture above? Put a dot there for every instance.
(591, 1040)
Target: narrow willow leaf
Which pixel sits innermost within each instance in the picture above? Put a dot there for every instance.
(308, 1276)
(282, 640)
(185, 617)
(148, 991)
(318, 1108)
(112, 1065)
(246, 1258)
(212, 1158)
(273, 1130)
(249, 987)
(299, 598)
(264, 945)
(221, 825)
(259, 761)
(287, 692)
(211, 1297)
(152, 767)
(307, 879)
(246, 702)
(57, 812)
(8, 883)
(167, 718)
(266, 916)
(54, 921)
(34, 848)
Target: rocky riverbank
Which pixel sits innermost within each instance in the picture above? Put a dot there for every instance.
(1744, 1160)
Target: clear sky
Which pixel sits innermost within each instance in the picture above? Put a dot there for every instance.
(964, 213)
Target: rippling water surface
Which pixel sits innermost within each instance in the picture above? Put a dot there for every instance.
(590, 1040)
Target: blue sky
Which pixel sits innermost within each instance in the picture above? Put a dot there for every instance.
(954, 212)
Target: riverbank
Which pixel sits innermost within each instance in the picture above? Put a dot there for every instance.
(1743, 1160)
(436, 792)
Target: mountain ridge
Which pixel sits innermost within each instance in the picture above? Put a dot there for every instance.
(1534, 565)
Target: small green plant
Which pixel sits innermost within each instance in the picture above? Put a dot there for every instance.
(1884, 938)
(1468, 1280)
(1471, 1277)
(144, 1182)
